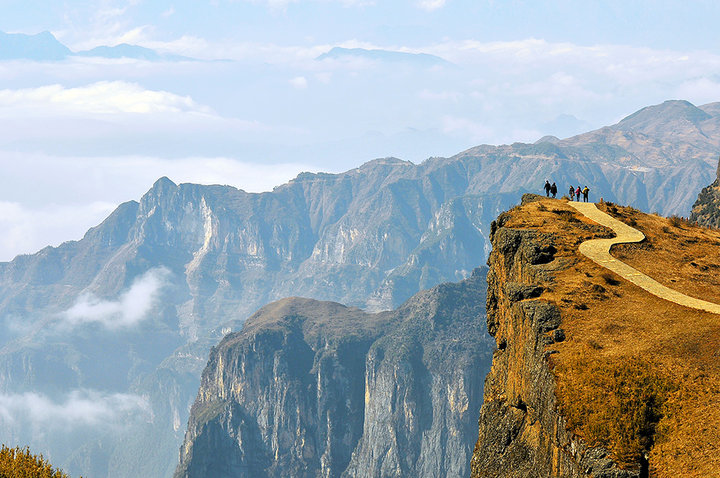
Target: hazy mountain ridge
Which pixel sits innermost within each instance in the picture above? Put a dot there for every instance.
(203, 258)
(425, 59)
(45, 47)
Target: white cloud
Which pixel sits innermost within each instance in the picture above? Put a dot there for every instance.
(131, 308)
(29, 229)
(104, 97)
(431, 5)
(78, 408)
(453, 96)
(282, 4)
(299, 82)
(699, 90)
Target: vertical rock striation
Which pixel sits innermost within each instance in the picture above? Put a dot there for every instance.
(313, 388)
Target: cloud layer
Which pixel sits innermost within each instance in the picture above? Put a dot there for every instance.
(77, 408)
(104, 97)
(131, 308)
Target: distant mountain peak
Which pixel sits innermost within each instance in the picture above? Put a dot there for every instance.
(125, 50)
(675, 110)
(42, 46)
(548, 139)
(164, 182)
(383, 55)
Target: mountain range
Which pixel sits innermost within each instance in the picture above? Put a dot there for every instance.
(45, 47)
(127, 315)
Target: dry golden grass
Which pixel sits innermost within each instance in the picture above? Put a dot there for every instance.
(676, 253)
(636, 372)
(21, 463)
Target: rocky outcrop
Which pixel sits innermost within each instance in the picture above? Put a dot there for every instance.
(314, 388)
(521, 430)
(706, 210)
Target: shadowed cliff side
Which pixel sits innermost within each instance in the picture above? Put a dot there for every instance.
(706, 210)
(311, 388)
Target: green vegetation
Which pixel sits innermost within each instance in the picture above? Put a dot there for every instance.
(616, 404)
(21, 463)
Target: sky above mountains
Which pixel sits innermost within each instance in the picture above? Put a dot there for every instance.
(260, 101)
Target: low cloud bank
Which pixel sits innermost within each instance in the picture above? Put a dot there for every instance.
(77, 408)
(131, 308)
(104, 97)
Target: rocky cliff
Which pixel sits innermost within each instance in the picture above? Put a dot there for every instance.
(706, 210)
(312, 388)
(522, 431)
(593, 376)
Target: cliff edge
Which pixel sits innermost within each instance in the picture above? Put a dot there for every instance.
(593, 376)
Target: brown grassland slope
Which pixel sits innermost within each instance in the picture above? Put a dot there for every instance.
(636, 373)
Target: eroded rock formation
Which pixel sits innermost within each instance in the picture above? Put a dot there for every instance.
(313, 388)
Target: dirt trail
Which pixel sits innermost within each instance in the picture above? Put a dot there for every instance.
(598, 250)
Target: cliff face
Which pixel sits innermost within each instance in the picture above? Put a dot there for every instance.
(521, 430)
(314, 388)
(706, 210)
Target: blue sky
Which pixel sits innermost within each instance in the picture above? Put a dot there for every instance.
(658, 23)
(79, 136)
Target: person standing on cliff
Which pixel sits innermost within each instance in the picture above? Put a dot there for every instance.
(553, 190)
(547, 188)
(572, 192)
(585, 192)
(577, 194)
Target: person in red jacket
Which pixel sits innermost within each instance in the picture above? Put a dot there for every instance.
(577, 193)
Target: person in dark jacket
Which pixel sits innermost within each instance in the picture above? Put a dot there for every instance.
(572, 192)
(553, 190)
(547, 188)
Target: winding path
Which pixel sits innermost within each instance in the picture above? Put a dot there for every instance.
(598, 250)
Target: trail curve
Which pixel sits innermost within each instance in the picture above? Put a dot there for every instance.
(598, 250)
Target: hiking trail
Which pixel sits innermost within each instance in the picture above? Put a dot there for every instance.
(598, 250)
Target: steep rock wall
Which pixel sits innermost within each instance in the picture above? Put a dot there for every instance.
(312, 389)
(521, 431)
(706, 210)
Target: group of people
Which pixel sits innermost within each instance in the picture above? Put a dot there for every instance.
(573, 192)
